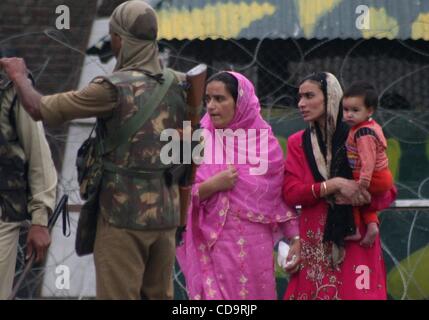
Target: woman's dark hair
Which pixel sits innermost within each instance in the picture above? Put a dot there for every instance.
(365, 90)
(319, 77)
(231, 83)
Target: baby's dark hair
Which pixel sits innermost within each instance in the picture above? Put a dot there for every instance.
(230, 82)
(365, 90)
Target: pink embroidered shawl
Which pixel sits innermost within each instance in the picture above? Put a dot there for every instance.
(257, 198)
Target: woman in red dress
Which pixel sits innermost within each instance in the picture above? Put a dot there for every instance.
(319, 179)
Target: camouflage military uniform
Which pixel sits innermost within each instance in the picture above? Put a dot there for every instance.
(28, 179)
(134, 247)
(13, 182)
(134, 193)
(138, 213)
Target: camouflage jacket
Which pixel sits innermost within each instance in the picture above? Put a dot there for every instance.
(13, 165)
(129, 198)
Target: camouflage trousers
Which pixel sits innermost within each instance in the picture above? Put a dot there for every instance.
(134, 264)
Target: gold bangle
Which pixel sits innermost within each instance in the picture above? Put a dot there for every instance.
(323, 188)
(312, 190)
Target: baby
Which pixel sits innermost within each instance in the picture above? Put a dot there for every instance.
(366, 152)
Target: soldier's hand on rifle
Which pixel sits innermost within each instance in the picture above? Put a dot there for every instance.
(226, 179)
(14, 68)
(38, 240)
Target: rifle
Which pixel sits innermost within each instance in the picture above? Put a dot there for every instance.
(60, 208)
(196, 78)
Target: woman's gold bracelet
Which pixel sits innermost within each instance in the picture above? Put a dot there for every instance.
(324, 189)
(312, 190)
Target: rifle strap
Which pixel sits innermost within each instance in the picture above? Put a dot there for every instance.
(129, 128)
(61, 208)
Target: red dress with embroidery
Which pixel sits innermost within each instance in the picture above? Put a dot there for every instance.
(361, 275)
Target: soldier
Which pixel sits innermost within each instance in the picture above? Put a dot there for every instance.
(138, 210)
(28, 183)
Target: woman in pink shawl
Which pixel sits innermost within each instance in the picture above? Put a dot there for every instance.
(236, 208)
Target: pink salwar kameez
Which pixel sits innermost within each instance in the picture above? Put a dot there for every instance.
(227, 250)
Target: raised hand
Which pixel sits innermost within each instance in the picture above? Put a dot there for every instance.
(14, 68)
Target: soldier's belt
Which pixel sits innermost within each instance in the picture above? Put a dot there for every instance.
(113, 168)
